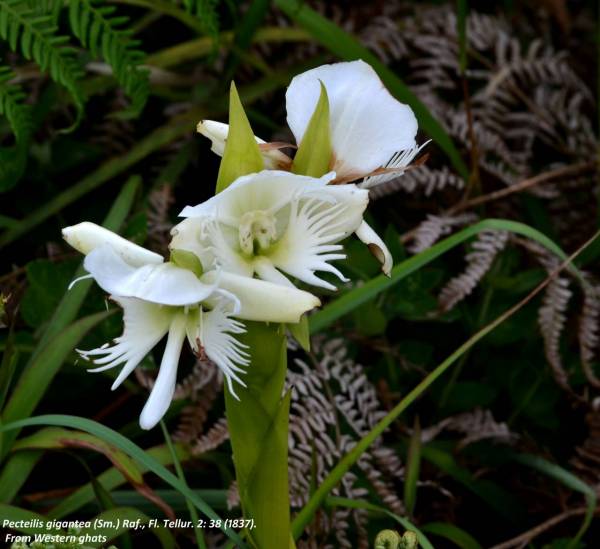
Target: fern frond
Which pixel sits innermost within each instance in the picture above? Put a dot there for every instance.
(34, 35)
(479, 261)
(93, 25)
(552, 320)
(206, 12)
(19, 118)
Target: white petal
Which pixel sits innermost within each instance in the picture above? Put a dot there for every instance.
(368, 125)
(164, 387)
(86, 236)
(165, 283)
(269, 190)
(145, 325)
(377, 246)
(266, 271)
(395, 167)
(314, 228)
(216, 333)
(217, 132)
(265, 301)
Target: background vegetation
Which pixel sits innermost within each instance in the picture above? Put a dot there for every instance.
(100, 100)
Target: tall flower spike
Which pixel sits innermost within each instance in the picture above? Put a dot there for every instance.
(274, 222)
(161, 299)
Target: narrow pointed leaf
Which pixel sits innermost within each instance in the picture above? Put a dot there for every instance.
(314, 153)
(242, 155)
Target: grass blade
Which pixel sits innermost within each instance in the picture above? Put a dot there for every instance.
(570, 481)
(349, 459)
(35, 380)
(109, 479)
(370, 289)
(133, 450)
(457, 535)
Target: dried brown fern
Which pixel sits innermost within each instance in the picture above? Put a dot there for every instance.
(434, 227)
(479, 261)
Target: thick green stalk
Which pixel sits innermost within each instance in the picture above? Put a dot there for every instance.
(258, 427)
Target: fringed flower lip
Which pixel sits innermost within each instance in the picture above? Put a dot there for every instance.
(161, 299)
(272, 224)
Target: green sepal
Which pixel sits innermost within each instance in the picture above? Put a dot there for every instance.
(300, 332)
(187, 260)
(242, 155)
(314, 153)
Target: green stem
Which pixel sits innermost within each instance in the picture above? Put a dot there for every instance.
(178, 469)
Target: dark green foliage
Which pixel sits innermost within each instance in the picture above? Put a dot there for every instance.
(18, 114)
(97, 29)
(206, 12)
(35, 37)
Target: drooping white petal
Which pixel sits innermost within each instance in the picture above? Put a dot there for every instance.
(164, 387)
(376, 246)
(217, 132)
(166, 283)
(216, 332)
(266, 302)
(145, 324)
(368, 125)
(86, 236)
(314, 228)
(267, 191)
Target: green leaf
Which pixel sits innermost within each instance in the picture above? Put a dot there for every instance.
(8, 365)
(413, 466)
(104, 173)
(15, 472)
(131, 449)
(100, 33)
(34, 36)
(258, 431)
(570, 481)
(242, 155)
(314, 152)
(109, 479)
(18, 114)
(16, 514)
(370, 289)
(457, 535)
(53, 438)
(117, 516)
(47, 282)
(200, 542)
(35, 380)
(345, 46)
(498, 499)
(300, 333)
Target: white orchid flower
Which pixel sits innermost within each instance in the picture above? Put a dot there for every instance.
(372, 133)
(274, 222)
(161, 299)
